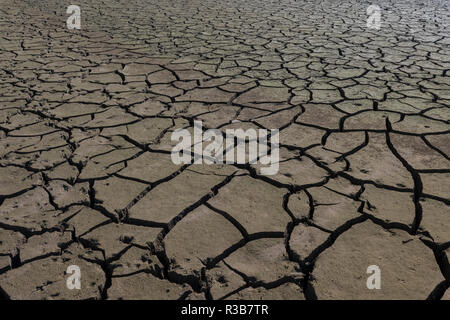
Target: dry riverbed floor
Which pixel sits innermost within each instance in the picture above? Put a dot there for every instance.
(86, 176)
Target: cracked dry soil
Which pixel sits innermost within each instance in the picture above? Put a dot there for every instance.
(86, 176)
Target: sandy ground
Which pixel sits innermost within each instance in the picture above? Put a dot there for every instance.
(86, 176)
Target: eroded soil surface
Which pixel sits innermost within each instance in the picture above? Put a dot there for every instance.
(86, 176)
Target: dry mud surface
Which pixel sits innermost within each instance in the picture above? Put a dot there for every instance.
(86, 176)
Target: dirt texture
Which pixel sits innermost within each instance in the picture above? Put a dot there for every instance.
(86, 176)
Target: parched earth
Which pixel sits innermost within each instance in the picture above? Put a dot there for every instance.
(86, 176)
